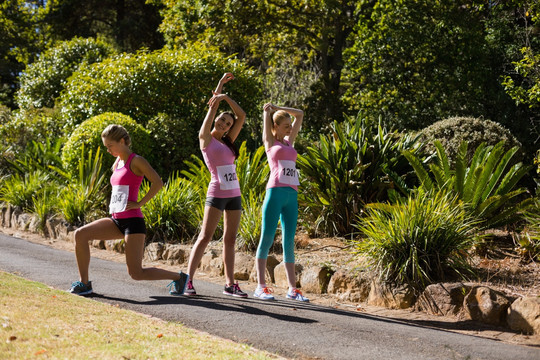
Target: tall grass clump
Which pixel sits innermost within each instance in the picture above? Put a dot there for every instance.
(418, 241)
(44, 205)
(172, 215)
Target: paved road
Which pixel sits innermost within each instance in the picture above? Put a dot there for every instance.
(287, 328)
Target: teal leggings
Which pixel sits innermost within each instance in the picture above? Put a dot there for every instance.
(280, 203)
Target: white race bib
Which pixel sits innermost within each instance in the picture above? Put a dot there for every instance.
(119, 198)
(227, 177)
(287, 172)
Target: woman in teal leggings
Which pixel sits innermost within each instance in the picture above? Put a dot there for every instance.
(281, 200)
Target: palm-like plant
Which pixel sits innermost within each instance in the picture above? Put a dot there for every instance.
(486, 185)
(355, 165)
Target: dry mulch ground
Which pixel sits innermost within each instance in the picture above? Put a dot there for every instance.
(500, 268)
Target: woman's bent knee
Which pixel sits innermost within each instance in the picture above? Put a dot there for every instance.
(136, 274)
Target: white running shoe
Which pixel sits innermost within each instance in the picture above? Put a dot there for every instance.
(264, 293)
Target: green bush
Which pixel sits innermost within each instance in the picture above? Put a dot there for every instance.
(486, 184)
(421, 240)
(38, 156)
(166, 91)
(42, 81)
(88, 136)
(357, 164)
(453, 131)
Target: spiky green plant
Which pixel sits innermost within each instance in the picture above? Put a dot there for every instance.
(44, 205)
(528, 241)
(418, 241)
(83, 199)
(253, 172)
(347, 169)
(19, 189)
(487, 185)
(250, 224)
(38, 156)
(171, 215)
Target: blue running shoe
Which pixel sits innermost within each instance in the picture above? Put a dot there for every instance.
(177, 287)
(295, 294)
(80, 288)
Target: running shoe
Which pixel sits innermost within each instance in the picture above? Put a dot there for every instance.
(80, 288)
(190, 290)
(177, 287)
(295, 294)
(264, 293)
(234, 290)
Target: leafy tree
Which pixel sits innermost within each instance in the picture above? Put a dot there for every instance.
(43, 80)
(264, 32)
(22, 38)
(131, 24)
(418, 61)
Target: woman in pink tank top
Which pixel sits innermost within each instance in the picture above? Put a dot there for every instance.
(126, 219)
(223, 196)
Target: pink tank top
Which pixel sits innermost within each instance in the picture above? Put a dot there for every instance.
(282, 161)
(125, 186)
(220, 162)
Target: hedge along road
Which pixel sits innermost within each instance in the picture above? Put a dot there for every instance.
(290, 329)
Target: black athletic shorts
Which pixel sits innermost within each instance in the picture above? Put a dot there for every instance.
(134, 225)
(232, 203)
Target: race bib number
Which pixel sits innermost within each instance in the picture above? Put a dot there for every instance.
(287, 172)
(119, 198)
(227, 177)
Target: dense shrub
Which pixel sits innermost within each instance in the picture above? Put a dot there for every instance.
(43, 80)
(166, 91)
(418, 241)
(453, 131)
(20, 130)
(88, 135)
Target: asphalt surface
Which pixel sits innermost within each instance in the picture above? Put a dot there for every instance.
(287, 328)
